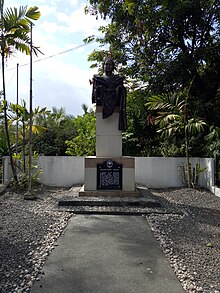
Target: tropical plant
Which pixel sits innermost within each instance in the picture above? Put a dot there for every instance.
(140, 138)
(57, 115)
(172, 115)
(213, 141)
(83, 144)
(20, 114)
(15, 27)
(23, 175)
(173, 119)
(59, 127)
(85, 108)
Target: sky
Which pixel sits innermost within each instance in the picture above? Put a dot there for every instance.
(60, 78)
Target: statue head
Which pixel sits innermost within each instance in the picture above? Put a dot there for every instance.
(108, 66)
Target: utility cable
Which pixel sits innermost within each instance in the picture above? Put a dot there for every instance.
(54, 55)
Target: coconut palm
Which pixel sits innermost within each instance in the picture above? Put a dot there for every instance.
(15, 25)
(57, 115)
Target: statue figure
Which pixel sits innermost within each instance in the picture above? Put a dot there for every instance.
(109, 92)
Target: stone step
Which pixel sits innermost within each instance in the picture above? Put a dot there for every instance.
(110, 202)
(144, 203)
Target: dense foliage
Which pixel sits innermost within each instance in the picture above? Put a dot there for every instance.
(83, 144)
(163, 47)
(58, 127)
(54, 132)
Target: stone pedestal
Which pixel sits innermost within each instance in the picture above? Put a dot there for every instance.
(108, 148)
(128, 174)
(108, 137)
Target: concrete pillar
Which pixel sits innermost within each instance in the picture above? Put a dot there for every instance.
(108, 137)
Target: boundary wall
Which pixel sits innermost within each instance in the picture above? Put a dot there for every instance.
(152, 172)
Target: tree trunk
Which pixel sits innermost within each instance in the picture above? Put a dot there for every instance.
(188, 167)
(4, 98)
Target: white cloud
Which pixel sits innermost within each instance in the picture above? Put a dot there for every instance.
(73, 2)
(62, 80)
(51, 27)
(56, 82)
(46, 10)
(78, 21)
(62, 17)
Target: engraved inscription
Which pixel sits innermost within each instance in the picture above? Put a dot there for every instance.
(107, 178)
(109, 175)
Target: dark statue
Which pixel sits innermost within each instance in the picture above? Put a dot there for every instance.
(109, 92)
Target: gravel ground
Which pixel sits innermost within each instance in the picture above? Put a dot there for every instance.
(190, 239)
(28, 233)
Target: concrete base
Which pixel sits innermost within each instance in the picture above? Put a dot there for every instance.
(108, 193)
(128, 175)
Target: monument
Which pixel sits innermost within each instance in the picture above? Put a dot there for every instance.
(109, 93)
(109, 173)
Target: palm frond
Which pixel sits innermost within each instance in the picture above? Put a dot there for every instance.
(38, 129)
(33, 13)
(167, 102)
(16, 28)
(195, 125)
(20, 18)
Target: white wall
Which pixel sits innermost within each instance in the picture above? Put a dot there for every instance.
(161, 172)
(57, 171)
(158, 172)
(61, 171)
(153, 172)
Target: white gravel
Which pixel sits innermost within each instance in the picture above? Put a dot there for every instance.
(191, 239)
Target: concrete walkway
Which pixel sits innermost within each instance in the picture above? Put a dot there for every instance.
(107, 254)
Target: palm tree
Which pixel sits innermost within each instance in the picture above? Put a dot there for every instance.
(173, 118)
(57, 115)
(85, 108)
(14, 36)
(23, 118)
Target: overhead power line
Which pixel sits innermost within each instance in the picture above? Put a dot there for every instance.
(54, 55)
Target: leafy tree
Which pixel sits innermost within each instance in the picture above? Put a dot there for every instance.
(3, 143)
(140, 139)
(14, 35)
(58, 128)
(85, 108)
(57, 115)
(213, 142)
(164, 45)
(83, 144)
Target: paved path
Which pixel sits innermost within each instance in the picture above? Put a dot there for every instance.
(107, 254)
